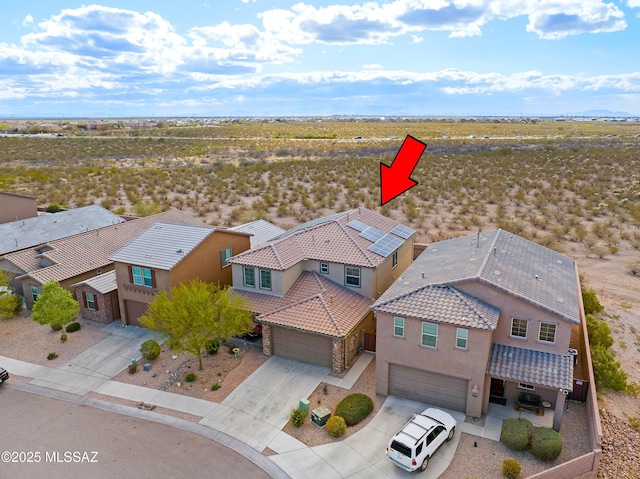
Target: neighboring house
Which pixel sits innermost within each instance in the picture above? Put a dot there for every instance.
(261, 230)
(30, 232)
(165, 255)
(480, 319)
(312, 287)
(79, 257)
(14, 207)
(98, 298)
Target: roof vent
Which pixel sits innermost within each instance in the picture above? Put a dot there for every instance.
(180, 251)
(538, 277)
(423, 275)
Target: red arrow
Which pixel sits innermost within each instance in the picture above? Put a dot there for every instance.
(396, 179)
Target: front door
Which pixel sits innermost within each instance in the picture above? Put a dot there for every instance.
(497, 387)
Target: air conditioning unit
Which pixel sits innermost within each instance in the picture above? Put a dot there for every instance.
(574, 353)
(320, 416)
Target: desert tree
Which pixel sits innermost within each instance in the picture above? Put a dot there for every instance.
(55, 306)
(10, 304)
(197, 312)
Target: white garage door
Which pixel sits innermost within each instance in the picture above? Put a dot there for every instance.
(428, 387)
(309, 348)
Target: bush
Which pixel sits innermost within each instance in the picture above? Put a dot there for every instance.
(215, 386)
(63, 337)
(633, 267)
(590, 302)
(231, 346)
(606, 370)
(56, 326)
(212, 346)
(52, 209)
(546, 444)
(336, 426)
(51, 356)
(354, 408)
(516, 433)
(297, 417)
(150, 349)
(599, 332)
(511, 468)
(73, 327)
(191, 377)
(133, 367)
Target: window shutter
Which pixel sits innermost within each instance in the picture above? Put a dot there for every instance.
(130, 274)
(153, 278)
(95, 301)
(84, 298)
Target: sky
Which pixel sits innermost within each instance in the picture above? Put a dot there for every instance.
(157, 58)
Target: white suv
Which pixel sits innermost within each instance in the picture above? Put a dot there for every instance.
(412, 447)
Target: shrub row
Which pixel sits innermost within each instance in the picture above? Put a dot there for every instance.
(518, 434)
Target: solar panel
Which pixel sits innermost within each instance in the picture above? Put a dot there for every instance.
(357, 225)
(385, 245)
(372, 234)
(402, 231)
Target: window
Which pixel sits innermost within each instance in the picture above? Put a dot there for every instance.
(34, 293)
(527, 387)
(90, 301)
(462, 336)
(547, 332)
(249, 275)
(352, 276)
(519, 328)
(429, 334)
(398, 327)
(394, 259)
(324, 268)
(265, 279)
(142, 276)
(225, 254)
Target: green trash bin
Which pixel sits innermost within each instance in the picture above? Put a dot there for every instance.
(304, 405)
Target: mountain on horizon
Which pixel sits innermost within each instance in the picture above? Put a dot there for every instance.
(602, 113)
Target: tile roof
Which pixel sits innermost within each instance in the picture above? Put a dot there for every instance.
(505, 261)
(443, 304)
(324, 239)
(68, 257)
(162, 245)
(30, 232)
(312, 304)
(531, 367)
(261, 230)
(103, 283)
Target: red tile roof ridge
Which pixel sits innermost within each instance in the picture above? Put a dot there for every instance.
(364, 253)
(335, 323)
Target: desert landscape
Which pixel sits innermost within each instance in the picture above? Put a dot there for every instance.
(572, 185)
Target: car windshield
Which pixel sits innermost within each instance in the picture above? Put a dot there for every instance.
(401, 448)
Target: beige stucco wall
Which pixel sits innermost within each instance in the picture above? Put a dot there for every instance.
(16, 207)
(469, 364)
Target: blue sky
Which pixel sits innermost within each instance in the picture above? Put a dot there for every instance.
(327, 57)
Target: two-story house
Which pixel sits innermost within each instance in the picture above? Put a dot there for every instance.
(480, 318)
(165, 255)
(312, 287)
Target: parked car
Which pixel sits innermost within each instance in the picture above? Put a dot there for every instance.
(4, 375)
(412, 447)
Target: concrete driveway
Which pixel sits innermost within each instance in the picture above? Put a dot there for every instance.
(257, 410)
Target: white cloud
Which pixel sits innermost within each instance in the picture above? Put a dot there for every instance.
(372, 66)
(416, 39)
(28, 20)
(633, 3)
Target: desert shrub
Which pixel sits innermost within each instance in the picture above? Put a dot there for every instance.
(546, 444)
(336, 426)
(63, 337)
(190, 377)
(73, 327)
(133, 367)
(599, 332)
(633, 267)
(516, 433)
(11, 306)
(231, 346)
(212, 346)
(215, 386)
(606, 370)
(52, 209)
(51, 356)
(297, 417)
(56, 326)
(354, 408)
(590, 302)
(511, 468)
(150, 349)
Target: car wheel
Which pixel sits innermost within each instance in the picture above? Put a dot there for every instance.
(425, 463)
(451, 433)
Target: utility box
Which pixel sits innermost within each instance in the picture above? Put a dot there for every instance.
(320, 416)
(304, 405)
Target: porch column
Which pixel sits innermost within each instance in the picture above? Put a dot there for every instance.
(266, 339)
(559, 411)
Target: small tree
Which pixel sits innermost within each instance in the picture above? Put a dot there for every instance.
(590, 302)
(55, 306)
(196, 313)
(10, 304)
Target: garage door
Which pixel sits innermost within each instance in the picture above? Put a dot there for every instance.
(309, 348)
(428, 387)
(133, 310)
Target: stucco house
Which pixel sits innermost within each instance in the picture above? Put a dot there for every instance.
(480, 319)
(98, 298)
(165, 255)
(311, 288)
(79, 257)
(14, 207)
